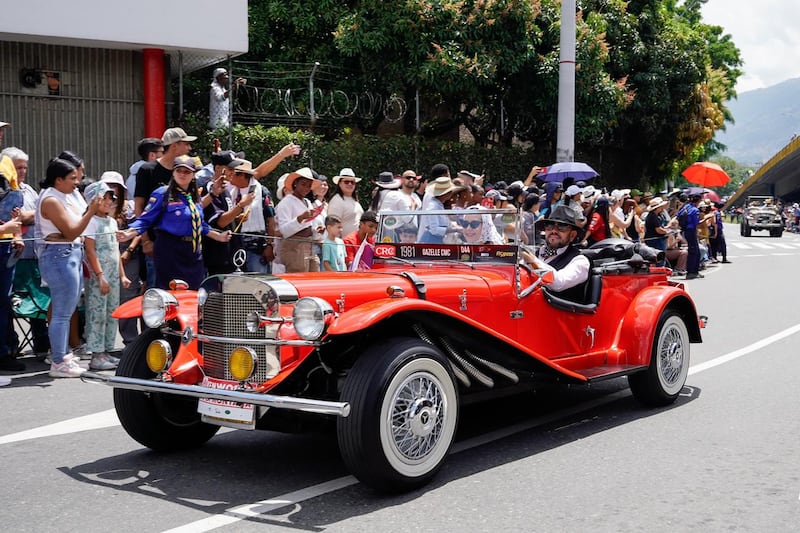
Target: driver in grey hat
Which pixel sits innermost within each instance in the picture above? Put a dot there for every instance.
(560, 253)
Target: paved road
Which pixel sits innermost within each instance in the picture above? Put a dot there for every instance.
(726, 456)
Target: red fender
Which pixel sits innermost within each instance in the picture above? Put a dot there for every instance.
(637, 329)
(186, 313)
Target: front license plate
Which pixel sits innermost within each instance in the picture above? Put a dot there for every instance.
(224, 412)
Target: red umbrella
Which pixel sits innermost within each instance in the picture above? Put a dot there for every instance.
(706, 174)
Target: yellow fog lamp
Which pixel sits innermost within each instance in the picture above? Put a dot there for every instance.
(159, 356)
(242, 363)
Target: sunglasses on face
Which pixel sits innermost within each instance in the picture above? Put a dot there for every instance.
(412, 178)
(347, 182)
(557, 226)
(475, 224)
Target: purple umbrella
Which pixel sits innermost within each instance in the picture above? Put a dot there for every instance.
(568, 169)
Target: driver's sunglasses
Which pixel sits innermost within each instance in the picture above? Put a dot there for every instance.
(558, 226)
(475, 224)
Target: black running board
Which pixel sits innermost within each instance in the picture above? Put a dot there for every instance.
(600, 373)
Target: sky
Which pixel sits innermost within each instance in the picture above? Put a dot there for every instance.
(767, 34)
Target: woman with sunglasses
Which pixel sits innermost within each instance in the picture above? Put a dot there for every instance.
(344, 201)
(478, 228)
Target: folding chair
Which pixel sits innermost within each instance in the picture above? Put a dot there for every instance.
(29, 300)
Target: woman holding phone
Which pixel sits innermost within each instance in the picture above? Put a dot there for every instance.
(61, 217)
(294, 216)
(174, 211)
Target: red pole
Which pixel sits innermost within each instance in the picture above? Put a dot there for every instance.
(154, 89)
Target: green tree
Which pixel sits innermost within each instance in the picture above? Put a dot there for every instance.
(652, 79)
(458, 54)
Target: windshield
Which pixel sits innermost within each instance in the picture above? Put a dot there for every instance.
(466, 235)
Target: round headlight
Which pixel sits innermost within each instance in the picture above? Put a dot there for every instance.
(155, 303)
(309, 315)
(159, 356)
(242, 363)
(202, 296)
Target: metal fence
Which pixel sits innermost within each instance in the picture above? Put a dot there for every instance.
(57, 98)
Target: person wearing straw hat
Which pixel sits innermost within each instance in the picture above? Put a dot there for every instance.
(174, 211)
(344, 201)
(253, 207)
(655, 224)
(433, 228)
(294, 216)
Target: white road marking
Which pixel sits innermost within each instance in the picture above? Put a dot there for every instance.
(762, 245)
(254, 510)
(103, 419)
(740, 245)
(785, 245)
(727, 358)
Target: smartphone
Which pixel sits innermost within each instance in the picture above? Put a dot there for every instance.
(252, 189)
(317, 210)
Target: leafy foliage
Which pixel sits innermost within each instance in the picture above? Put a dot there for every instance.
(651, 78)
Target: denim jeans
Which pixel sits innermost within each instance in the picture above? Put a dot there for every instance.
(254, 264)
(61, 268)
(6, 279)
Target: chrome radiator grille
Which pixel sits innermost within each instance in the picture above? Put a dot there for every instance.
(224, 316)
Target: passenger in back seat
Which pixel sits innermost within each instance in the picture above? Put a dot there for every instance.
(560, 254)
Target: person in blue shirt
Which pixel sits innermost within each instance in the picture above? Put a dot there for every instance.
(692, 213)
(174, 211)
(433, 228)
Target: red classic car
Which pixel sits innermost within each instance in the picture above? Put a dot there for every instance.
(392, 350)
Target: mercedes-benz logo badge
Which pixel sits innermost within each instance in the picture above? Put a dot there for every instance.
(239, 258)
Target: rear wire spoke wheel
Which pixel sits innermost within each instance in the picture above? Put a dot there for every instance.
(664, 378)
(404, 413)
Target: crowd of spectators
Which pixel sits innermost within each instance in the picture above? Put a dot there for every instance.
(111, 238)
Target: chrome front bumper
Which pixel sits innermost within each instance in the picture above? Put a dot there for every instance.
(306, 405)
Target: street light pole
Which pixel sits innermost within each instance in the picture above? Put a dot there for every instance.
(565, 139)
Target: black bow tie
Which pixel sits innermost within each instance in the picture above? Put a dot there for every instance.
(548, 252)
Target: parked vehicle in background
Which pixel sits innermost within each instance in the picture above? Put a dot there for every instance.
(761, 213)
(390, 353)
